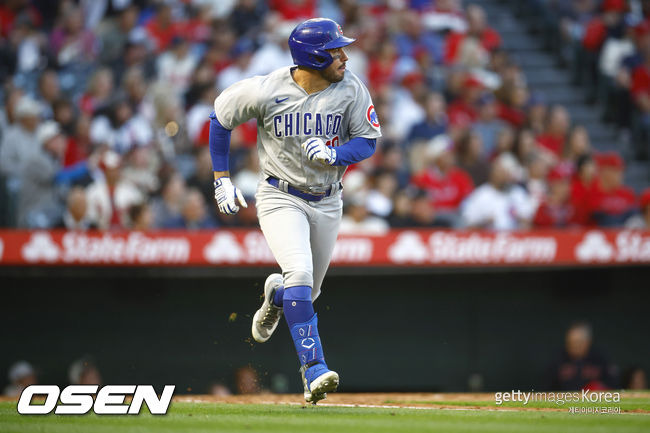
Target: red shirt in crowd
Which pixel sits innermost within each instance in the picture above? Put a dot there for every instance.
(513, 116)
(614, 202)
(595, 35)
(581, 199)
(461, 113)
(294, 9)
(163, 36)
(551, 142)
(640, 81)
(490, 40)
(446, 191)
(548, 215)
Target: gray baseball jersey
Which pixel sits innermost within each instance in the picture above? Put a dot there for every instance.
(287, 116)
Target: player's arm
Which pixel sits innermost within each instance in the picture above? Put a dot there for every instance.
(224, 191)
(355, 150)
(234, 106)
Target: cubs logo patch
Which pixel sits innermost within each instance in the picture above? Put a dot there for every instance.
(371, 115)
(340, 29)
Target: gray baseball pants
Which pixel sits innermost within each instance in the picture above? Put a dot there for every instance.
(301, 234)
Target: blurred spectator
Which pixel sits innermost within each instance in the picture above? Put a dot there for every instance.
(21, 375)
(71, 42)
(40, 202)
(83, 371)
(141, 217)
(166, 207)
(120, 129)
(580, 366)
(582, 189)
(555, 134)
(412, 37)
(357, 220)
(488, 124)
(114, 32)
(75, 216)
(578, 145)
(477, 29)
(249, 175)
(48, 91)
(8, 110)
(612, 202)
(20, 142)
(414, 209)
(434, 123)
(176, 66)
(471, 157)
(242, 54)
(98, 93)
(498, 204)
(110, 196)
(247, 381)
(379, 201)
(556, 210)
(407, 107)
(537, 180)
(203, 177)
(635, 378)
(162, 28)
(141, 167)
(464, 110)
(641, 221)
(193, 215)
(446, 184)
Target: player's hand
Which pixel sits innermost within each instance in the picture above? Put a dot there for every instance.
(317, 151)
(227, 196)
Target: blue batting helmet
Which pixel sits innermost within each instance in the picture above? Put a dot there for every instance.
(309, 40)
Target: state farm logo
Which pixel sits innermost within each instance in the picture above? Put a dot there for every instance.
(223, 248)
(2, 248)
(41, 247)
(594, 248)
(226, 248)
(450, 247)
(82, 248)
(408, 247)
(629, 246)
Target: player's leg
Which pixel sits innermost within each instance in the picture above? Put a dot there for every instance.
(324, 228)
(324, 220)
(285, 223)
(286, 230)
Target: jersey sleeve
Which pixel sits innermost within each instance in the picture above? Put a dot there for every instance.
(238, 103)
(363, 117)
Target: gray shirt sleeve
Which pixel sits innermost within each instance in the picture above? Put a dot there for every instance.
(363, 118)
(238, 103)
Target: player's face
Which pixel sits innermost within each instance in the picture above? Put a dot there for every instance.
(335, 72)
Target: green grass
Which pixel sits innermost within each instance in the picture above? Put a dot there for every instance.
(215, 417)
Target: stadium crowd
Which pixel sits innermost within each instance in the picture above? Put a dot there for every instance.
(105, 118)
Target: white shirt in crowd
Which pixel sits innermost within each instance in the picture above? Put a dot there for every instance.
(495, 209)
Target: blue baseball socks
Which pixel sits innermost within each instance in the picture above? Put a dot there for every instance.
(303, 325)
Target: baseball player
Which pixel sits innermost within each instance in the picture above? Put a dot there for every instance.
(313, 120)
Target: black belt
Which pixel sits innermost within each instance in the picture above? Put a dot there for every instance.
(302, 194)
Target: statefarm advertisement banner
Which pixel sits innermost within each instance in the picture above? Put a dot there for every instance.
(396, 248)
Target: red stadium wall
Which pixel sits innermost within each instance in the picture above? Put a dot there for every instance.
(398, 248)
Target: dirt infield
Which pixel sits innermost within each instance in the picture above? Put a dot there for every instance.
(449, 401)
